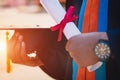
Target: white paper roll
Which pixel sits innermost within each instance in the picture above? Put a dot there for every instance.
(55, 9)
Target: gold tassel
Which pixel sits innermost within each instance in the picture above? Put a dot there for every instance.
(8, 61)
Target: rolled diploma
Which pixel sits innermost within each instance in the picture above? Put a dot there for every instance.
(55, 9)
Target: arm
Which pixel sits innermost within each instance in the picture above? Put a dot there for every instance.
(81, 47)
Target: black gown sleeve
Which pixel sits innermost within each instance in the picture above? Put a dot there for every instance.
(114, 27)
(113, 64)
(114, 38)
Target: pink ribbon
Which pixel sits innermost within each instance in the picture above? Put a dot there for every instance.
(69, 17)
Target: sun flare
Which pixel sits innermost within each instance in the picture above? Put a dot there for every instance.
(2, 46)
(3, 39)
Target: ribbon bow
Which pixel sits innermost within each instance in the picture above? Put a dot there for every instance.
(69, 17)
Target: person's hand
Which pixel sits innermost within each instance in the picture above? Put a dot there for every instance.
(17, 52)
(81, 48)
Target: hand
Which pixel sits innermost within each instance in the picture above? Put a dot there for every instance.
(81, 48)
(17, 52)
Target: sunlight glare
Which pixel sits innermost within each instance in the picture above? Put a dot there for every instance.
(3, 39)
(2, 46)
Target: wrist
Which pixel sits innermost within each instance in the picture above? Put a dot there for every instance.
(103, 35)
(102, 49)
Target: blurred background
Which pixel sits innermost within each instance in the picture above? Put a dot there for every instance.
(20, 13)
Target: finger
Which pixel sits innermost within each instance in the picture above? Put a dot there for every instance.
(18, 44)
(26, 60)
(13, 39)
(17, 48)
(69, 45)
(23, 50)
(10, 45)
(23, 55)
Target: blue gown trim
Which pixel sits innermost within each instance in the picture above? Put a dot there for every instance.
(102, 27)
(81, 16)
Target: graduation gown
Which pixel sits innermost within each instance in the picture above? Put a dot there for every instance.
(113, 65)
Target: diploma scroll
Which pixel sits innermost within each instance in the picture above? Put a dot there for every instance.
(54, 8)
